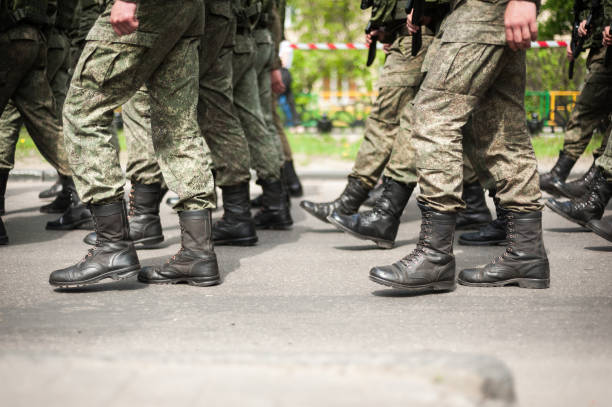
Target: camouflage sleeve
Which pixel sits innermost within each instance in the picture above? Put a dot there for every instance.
(607, 9)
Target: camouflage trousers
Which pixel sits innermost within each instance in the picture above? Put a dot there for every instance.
(23, 69)
(217, 114)
(489, 90)
(387, 139)
(593, 106)
(163, 54)
(605, 160)
(264, 146)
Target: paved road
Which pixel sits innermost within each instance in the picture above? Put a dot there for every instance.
(298, 311)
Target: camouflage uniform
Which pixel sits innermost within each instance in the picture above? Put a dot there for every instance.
(264, 145)
(605, 160)
(23, 62)
(593, 104)
(398, 84)
(217, 115)
(488, 88)
(162, 53)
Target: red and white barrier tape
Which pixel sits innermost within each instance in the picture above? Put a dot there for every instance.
(324, 46)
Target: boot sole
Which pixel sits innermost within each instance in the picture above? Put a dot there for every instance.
(522, 283)
(86, 224)
(195, 281)
(598, 231)
(487, 243)
(381, 243)
(120, 274)
(148, 242)
(560, 212)
(242, 241)
(276, 226)
(441, 286)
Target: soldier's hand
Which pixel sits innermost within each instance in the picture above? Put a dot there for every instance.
(582, 31)
(521, 25)
(412, 29)
(123, 17)
(386, 48)
(370, 36)
(607, 37)
(570, 54)
(276, 80)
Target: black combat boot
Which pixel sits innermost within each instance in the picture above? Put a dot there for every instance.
(476, 212)
(196, 262)
(76, 216)
(113, 256)
(346, 204)
(145, 224)
(590, 206)
(3, 235)
(602, 228)
(274, 214)
(491, 234)
(294, 186)
(382, 222)
(431, 266)
(577, 188)
(524, 262)
(3, 180)
(52, 191)
(374, 194)
(236, 227)
(62, 200)
(559, 173)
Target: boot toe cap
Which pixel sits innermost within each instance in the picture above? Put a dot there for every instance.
(386, 273)
(149, 274)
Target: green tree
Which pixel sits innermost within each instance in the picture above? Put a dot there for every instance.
(556, 18)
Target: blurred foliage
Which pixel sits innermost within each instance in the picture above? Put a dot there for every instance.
(330, 21)
(556, 18)
(547, 69)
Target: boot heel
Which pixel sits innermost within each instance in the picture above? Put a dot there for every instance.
(531, 283)
(149, 242)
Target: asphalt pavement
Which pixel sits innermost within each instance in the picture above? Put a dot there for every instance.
(297, 322)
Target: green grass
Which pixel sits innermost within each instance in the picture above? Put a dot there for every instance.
(337, 146)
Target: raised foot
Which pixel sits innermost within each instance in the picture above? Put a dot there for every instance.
(195, 281)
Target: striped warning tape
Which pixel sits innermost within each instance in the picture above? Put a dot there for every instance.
(328, 46)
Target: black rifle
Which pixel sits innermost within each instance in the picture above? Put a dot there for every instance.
(373, 44)
(608, 59)
(417, 7)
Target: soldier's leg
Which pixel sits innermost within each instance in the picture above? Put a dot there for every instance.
(275, 209)
(592, 107)
(10, 126)
(223, 132)
(397, 86)
(291, 178)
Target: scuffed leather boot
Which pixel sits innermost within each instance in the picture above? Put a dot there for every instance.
(589, 207)
(602, 228)
(113, 256)
(431, 265)
(62, 200)
(3, 235)
(559, 173)
(236, 227)
(374, 194)
(476, 212)
(274, 214)
(524, 262)
(145, 224)
(76, 216)
(196, 262)
(346, 204)
(491, 234)
(382, 222)
(294, 186)
(52, 191)
(577, 188)
(3, 180)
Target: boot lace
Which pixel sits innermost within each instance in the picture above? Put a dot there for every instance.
(510, 237)
(181, 250)
(426, 230)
